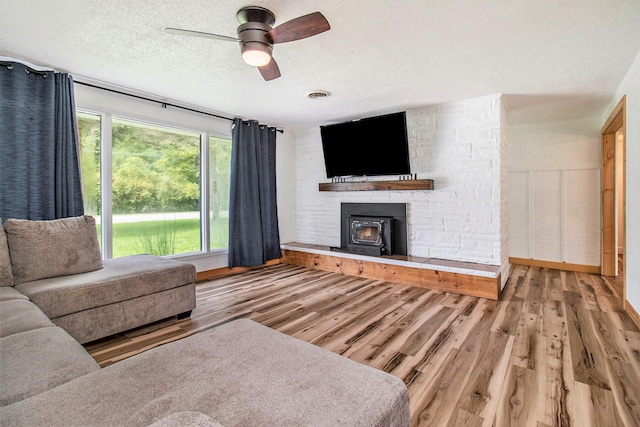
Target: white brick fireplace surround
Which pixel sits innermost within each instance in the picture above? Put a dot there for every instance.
(462, 146)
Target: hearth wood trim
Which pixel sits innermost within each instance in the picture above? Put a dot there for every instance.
(476, 280)
(415, 184)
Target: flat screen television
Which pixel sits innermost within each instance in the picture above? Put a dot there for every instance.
(367, 147)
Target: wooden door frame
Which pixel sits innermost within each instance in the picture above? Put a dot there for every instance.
(608, 220)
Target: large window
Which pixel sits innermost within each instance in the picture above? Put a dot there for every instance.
(155, 190)
(156, 187)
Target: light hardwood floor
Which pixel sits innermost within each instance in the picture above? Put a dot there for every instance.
(556, 350)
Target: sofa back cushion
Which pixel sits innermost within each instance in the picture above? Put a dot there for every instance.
(60, 247)
(6, 275)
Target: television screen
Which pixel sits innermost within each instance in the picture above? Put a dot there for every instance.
(367, 147)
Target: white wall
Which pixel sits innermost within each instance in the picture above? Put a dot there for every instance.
(92, 99)
(554, 191)
(462, 147)
(630, 86)
(285, 182)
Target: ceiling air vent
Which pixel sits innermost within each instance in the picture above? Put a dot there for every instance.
(315, 94)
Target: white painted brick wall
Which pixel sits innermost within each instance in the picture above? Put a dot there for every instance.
(461, 147)
(504, 218)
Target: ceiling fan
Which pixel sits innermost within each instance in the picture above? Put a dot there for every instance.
(257, 36)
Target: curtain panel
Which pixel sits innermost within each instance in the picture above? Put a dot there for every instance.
(39, 157)
(254, 237)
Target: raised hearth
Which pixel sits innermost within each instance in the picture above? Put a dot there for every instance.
(464, 278)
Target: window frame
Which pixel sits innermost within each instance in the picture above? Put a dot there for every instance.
(106, 176)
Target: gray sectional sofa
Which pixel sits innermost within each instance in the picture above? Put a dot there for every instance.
(57, 265)
(237, 374)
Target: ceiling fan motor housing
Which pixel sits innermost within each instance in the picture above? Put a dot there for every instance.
(255, 24)
(255, 45)
(254, 32)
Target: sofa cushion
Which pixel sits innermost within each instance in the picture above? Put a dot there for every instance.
(239, 374)
(99, 322)
(186, 418)
(8, 293)
(39, 360)
(41, 249)
(6, 274)
(20, 316)
(121, 279)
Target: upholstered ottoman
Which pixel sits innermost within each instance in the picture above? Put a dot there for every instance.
(238, 374)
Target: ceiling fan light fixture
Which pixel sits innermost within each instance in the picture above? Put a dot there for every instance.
(256, 54)
(256, 35)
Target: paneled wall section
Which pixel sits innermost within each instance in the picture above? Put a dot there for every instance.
(554, 192)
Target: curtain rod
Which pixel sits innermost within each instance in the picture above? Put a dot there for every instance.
(9, 65)
(164, 104)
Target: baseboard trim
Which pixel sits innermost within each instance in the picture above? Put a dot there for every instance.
(225, 271)
(553, 265)
(633, 314)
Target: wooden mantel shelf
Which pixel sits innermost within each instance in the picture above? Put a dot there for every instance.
(413, 184)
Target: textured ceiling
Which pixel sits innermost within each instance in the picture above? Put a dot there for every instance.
(552, 59)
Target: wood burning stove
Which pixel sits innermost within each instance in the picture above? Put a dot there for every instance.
(370, 235)
(374, 228)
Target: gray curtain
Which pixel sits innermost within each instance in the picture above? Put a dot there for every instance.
(254, 237)
(39, 160)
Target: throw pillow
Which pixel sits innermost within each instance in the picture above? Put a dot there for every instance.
(6, 275)
(60, 247)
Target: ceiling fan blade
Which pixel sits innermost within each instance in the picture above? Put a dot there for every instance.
(270, 71)
(300, 28)
(180, 32)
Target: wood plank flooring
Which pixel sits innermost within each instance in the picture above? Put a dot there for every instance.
(556, 350)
